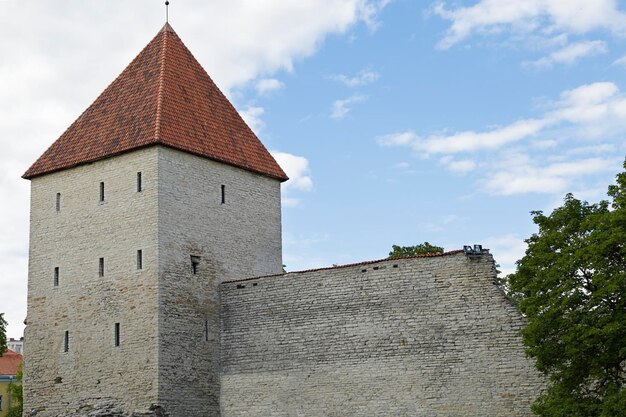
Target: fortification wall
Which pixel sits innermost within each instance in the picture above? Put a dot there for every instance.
(428, 336)
(237, 236)
(93, 373)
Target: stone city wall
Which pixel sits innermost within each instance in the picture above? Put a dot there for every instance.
(428, 336)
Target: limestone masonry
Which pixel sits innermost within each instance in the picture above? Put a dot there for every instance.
(155, 283)
(429, 336)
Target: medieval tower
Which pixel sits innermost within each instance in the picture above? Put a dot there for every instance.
(154, 195)
(155, 284)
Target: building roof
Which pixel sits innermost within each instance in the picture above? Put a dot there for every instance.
(164, 97)
(10, 362)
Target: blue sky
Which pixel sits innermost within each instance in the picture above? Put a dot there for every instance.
(399, 121)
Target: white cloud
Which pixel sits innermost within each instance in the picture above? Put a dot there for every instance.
(620, 61)
(544, 144)
(396, 139)
(470, 141)
(252, 116)
(542, 16)
(570, 54)
(592, 108)
(342, 107)
(290, 201)
(364, 77)
(529, 177)
(297, 169)
(256, 42)
(590, 193)
(589, 113)
(300, 180)
(268, 85)
(589, 94)
(368, 12)
(605, 148)
(506, 250)
(462, 167)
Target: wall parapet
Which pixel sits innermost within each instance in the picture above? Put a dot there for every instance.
(304, 271)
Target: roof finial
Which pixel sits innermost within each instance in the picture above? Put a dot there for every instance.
(167, 17)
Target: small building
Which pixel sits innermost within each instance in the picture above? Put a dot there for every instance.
(15, 345)
(10, 363)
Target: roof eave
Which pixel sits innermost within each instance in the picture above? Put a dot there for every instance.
(30, 176)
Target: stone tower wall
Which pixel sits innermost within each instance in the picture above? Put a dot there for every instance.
(240, 237)
(425, 337)
(94, 372)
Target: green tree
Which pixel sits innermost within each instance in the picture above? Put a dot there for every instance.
(3, 334)
(421, 249)
(571, 285)
(15, 391)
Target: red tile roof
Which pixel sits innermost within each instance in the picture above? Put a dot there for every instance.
(164, 97)
(10, 362)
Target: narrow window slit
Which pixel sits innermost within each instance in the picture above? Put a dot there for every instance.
(58, 202)
(223, 194)
(195, 264)
(56, 276)
(66, 341)
(206, 330)
(139, 259)
(101, 267)
(117, 334)
(139, 185)
(102, 192)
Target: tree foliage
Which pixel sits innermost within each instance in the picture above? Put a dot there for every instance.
(571, 285)
(16, 393)
(3, 334)
(421, 249)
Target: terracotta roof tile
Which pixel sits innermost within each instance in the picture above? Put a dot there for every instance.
(164, 97)
(10, 362)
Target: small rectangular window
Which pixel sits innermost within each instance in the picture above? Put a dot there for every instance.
(58, 202)
(101, 192)
(66, 342)
(117, 334)
(223, 194)
(56, 276)
(206, 330)
(139, 182)
(195, 263)
(101, 267)
(139, 259)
